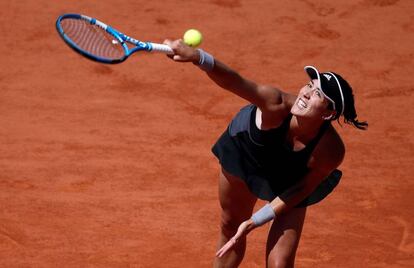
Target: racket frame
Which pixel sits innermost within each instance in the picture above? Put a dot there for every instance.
(123, 39)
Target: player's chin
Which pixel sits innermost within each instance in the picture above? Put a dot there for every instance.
(301, 113)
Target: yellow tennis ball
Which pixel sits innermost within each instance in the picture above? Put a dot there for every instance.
(193, 37)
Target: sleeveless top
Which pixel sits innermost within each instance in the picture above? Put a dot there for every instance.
(263, 158)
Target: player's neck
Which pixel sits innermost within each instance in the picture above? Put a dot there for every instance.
(305, 129)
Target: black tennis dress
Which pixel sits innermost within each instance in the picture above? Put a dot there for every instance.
(263, 159)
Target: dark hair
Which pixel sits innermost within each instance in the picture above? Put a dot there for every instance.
(350, 116)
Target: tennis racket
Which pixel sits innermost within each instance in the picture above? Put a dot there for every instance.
(100, 42)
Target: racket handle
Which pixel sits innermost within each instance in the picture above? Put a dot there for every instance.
(161, 48)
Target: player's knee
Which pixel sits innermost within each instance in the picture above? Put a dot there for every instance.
(229, 226)
(281, 261)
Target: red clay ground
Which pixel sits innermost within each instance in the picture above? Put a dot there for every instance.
(110, 166)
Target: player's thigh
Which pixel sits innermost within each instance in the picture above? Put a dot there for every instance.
(284, 236)
(236, 200)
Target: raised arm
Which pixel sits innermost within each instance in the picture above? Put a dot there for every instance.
(262, 96)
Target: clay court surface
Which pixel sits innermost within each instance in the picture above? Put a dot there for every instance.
(110, 166)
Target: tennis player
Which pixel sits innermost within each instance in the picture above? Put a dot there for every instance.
(281, 148)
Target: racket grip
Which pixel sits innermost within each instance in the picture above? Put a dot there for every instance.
(161, 48)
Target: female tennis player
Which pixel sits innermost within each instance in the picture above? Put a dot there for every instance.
(281, 148)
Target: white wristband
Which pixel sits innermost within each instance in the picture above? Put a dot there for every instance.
(263, 215)
(206, 62)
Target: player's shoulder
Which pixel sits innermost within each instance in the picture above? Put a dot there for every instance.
(330, 150)
(276, 100)
(275, 108)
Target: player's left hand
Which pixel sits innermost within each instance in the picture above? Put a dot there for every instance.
(244, 228)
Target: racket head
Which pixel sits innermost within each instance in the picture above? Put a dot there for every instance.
(92, 38)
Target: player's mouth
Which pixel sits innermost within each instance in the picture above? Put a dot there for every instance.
(301, 104)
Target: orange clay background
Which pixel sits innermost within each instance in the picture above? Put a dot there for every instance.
(110, 166)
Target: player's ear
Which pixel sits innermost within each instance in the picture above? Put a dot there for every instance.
(329, 115)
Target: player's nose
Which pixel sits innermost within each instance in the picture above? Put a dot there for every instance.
(307, 94)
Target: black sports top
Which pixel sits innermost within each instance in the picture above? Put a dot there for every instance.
(263, 158)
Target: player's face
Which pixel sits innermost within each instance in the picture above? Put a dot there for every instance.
(311, 102)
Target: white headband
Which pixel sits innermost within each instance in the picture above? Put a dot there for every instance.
(340, 91)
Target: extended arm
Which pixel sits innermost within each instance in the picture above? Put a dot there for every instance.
(265, 97)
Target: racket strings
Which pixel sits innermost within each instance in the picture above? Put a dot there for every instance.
(92, 39)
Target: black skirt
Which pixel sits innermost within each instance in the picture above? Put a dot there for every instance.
(234, 161)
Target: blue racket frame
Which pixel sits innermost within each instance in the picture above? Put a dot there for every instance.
(122, 39)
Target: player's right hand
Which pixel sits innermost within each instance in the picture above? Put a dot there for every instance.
(182, 52)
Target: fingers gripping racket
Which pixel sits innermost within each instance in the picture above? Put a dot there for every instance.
(100, 42)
